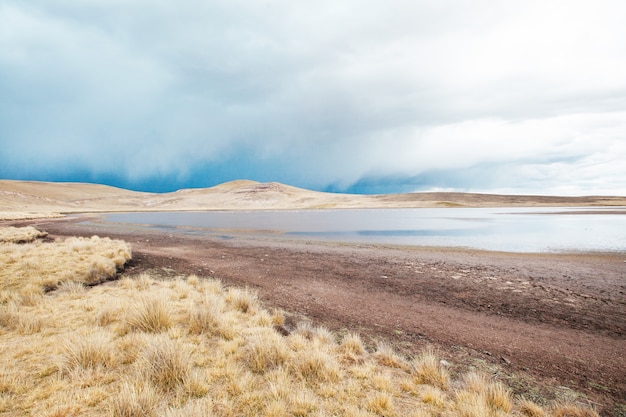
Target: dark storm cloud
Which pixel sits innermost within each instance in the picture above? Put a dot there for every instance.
(322, 95)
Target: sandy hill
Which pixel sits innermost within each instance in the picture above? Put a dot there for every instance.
(47, 197)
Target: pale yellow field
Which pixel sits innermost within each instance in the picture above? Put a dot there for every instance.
(191, 347)
(23, 199)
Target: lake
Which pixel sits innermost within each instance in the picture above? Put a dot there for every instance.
(503, 229)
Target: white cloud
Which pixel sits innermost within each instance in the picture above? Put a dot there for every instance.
(322, 93)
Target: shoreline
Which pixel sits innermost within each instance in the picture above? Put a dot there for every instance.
(557, 318)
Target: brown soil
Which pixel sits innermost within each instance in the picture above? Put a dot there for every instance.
(540, 322)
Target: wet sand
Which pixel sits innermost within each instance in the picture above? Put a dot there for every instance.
(538, 321)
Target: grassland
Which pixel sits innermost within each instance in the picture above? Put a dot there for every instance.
(72, 343)
(24, 199)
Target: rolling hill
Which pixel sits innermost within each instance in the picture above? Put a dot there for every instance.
(43, 198)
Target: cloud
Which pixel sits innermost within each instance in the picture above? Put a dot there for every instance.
(329, 95)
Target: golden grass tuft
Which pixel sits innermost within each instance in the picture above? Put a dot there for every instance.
(89, 351)
(482, 397)
(243, 300)
(134, 401)
(266, 350)
(530, 409)
(427, 369)
(381, 404)
(150, 315)
(210, 318)
(316, 365)
(571, 410)
(165, 363)
(387, 356)
(352, 346)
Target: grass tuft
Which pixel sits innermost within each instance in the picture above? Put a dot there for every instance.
(150, 315)
(571, 410)
(427, 369)
(352, 344)
(165, 363)
(381, 404)
(90, 351)
(265, 351)
(134, 401)
(315, 365)
(387, 356)
(243, 300)
(530, 409)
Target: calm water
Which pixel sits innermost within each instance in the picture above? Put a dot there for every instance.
(504, 229)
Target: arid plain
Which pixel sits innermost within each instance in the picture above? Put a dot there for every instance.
(549, 326)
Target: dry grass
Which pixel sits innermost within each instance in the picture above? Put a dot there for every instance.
(190, 347)
(151, 315)
(41, 266)
(20, 234)
(28, 215)
(427, 369)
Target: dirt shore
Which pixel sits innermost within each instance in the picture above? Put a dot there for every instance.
(547, 324)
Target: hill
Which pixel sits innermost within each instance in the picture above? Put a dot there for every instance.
(44, 198)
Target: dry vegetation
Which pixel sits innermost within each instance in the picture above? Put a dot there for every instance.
(191, 347)
(20, 234)
(25, 199)
(28, 215)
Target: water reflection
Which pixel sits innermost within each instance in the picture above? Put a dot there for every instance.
(508, 229)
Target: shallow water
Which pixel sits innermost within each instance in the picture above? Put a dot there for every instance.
(502, 229)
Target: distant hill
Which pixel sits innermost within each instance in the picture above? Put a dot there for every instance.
(49, 197)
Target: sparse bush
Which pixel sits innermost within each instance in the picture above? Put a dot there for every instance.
(210, 318)
(23, 323)
(499, 398)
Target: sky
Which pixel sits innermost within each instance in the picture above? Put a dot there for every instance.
(360, 96)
